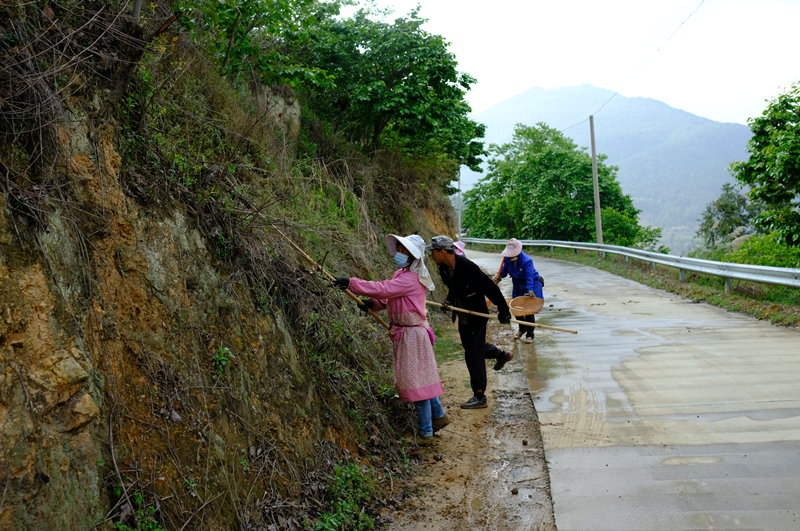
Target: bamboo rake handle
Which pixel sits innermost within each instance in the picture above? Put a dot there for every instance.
(544, 327)
(331, 277)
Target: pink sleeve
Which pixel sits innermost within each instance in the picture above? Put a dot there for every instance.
(401, 286)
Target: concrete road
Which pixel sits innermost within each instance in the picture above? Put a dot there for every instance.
(662, 414)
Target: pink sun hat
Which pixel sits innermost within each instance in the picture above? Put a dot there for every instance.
(460, 247)
(513, 248)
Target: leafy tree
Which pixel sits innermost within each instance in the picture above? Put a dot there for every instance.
(619, 228)
(396, 85)
(773, 169)
(622, 228)
(256, 37)
(726, 214)
(539, 186)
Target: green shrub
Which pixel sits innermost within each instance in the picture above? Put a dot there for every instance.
(622, 228)
(351, 486)
(765, 250)
(221, 358)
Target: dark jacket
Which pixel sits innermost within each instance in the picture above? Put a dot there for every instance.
(469, 287)
(523, 275)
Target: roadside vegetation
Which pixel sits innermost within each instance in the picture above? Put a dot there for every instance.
(762, 225)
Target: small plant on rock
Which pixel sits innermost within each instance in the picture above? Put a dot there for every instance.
(350, 489)
(221, 358)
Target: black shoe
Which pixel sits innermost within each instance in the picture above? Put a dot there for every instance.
(502, 361)
(474, 403)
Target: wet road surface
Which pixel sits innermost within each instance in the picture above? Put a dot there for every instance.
(662, 414)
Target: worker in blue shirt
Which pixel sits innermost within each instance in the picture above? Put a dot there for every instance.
(526, 281)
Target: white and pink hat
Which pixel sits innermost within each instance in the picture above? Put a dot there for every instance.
(513, 248)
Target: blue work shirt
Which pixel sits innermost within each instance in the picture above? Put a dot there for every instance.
(523, 275)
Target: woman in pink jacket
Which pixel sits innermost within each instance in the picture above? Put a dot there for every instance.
(416, 375)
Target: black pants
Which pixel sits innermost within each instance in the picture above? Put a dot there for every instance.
(527, 330)
(476, 352)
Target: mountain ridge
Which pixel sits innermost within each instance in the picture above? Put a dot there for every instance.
(672, 162)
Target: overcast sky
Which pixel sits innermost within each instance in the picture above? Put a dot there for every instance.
(722, 64)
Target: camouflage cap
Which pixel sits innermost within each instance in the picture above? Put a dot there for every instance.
(444, 243)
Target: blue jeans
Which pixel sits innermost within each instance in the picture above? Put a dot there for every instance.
(424, 410)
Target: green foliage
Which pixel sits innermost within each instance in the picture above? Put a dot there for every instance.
(773, 169)
(722, 217)
(619, 228)
(251, 37)
(221, 358)
(190, 484)
(539, 186)
(622, 228)
(446, 347)
(351, 486)
(145, 521)
(396, 86)
(765, 250)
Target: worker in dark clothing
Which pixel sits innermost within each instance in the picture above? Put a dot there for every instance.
(468, 289)
(526, 281)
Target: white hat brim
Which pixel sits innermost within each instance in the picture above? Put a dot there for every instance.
(393, 239)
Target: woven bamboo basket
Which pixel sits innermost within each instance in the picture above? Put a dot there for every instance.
(521, 306)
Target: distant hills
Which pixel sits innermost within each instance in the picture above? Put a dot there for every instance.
(673, 163)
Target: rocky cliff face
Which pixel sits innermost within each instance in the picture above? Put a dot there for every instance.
(107, 372)
(139, 376)
(167, 361)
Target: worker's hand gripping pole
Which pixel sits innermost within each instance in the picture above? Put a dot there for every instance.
(330, 277)
(523, 323)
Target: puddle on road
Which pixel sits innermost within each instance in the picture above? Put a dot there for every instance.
(541, 369)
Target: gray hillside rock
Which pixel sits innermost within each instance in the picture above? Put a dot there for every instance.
(737, 243)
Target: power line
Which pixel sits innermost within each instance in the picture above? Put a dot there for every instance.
(679, 27)
(576, 125)
(643, 64)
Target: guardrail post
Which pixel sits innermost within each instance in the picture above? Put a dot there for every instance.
(551, 248)
(626, 258)
(652, 266)
(602, 254)
(574, 251)
(728, 284)
(682, 275)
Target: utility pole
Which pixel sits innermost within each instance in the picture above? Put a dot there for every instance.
(460, 206)
(598, 221)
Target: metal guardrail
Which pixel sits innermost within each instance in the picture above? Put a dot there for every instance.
(781, 276)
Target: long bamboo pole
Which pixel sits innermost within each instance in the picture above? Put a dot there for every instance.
(331, 277)
(523, 323)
